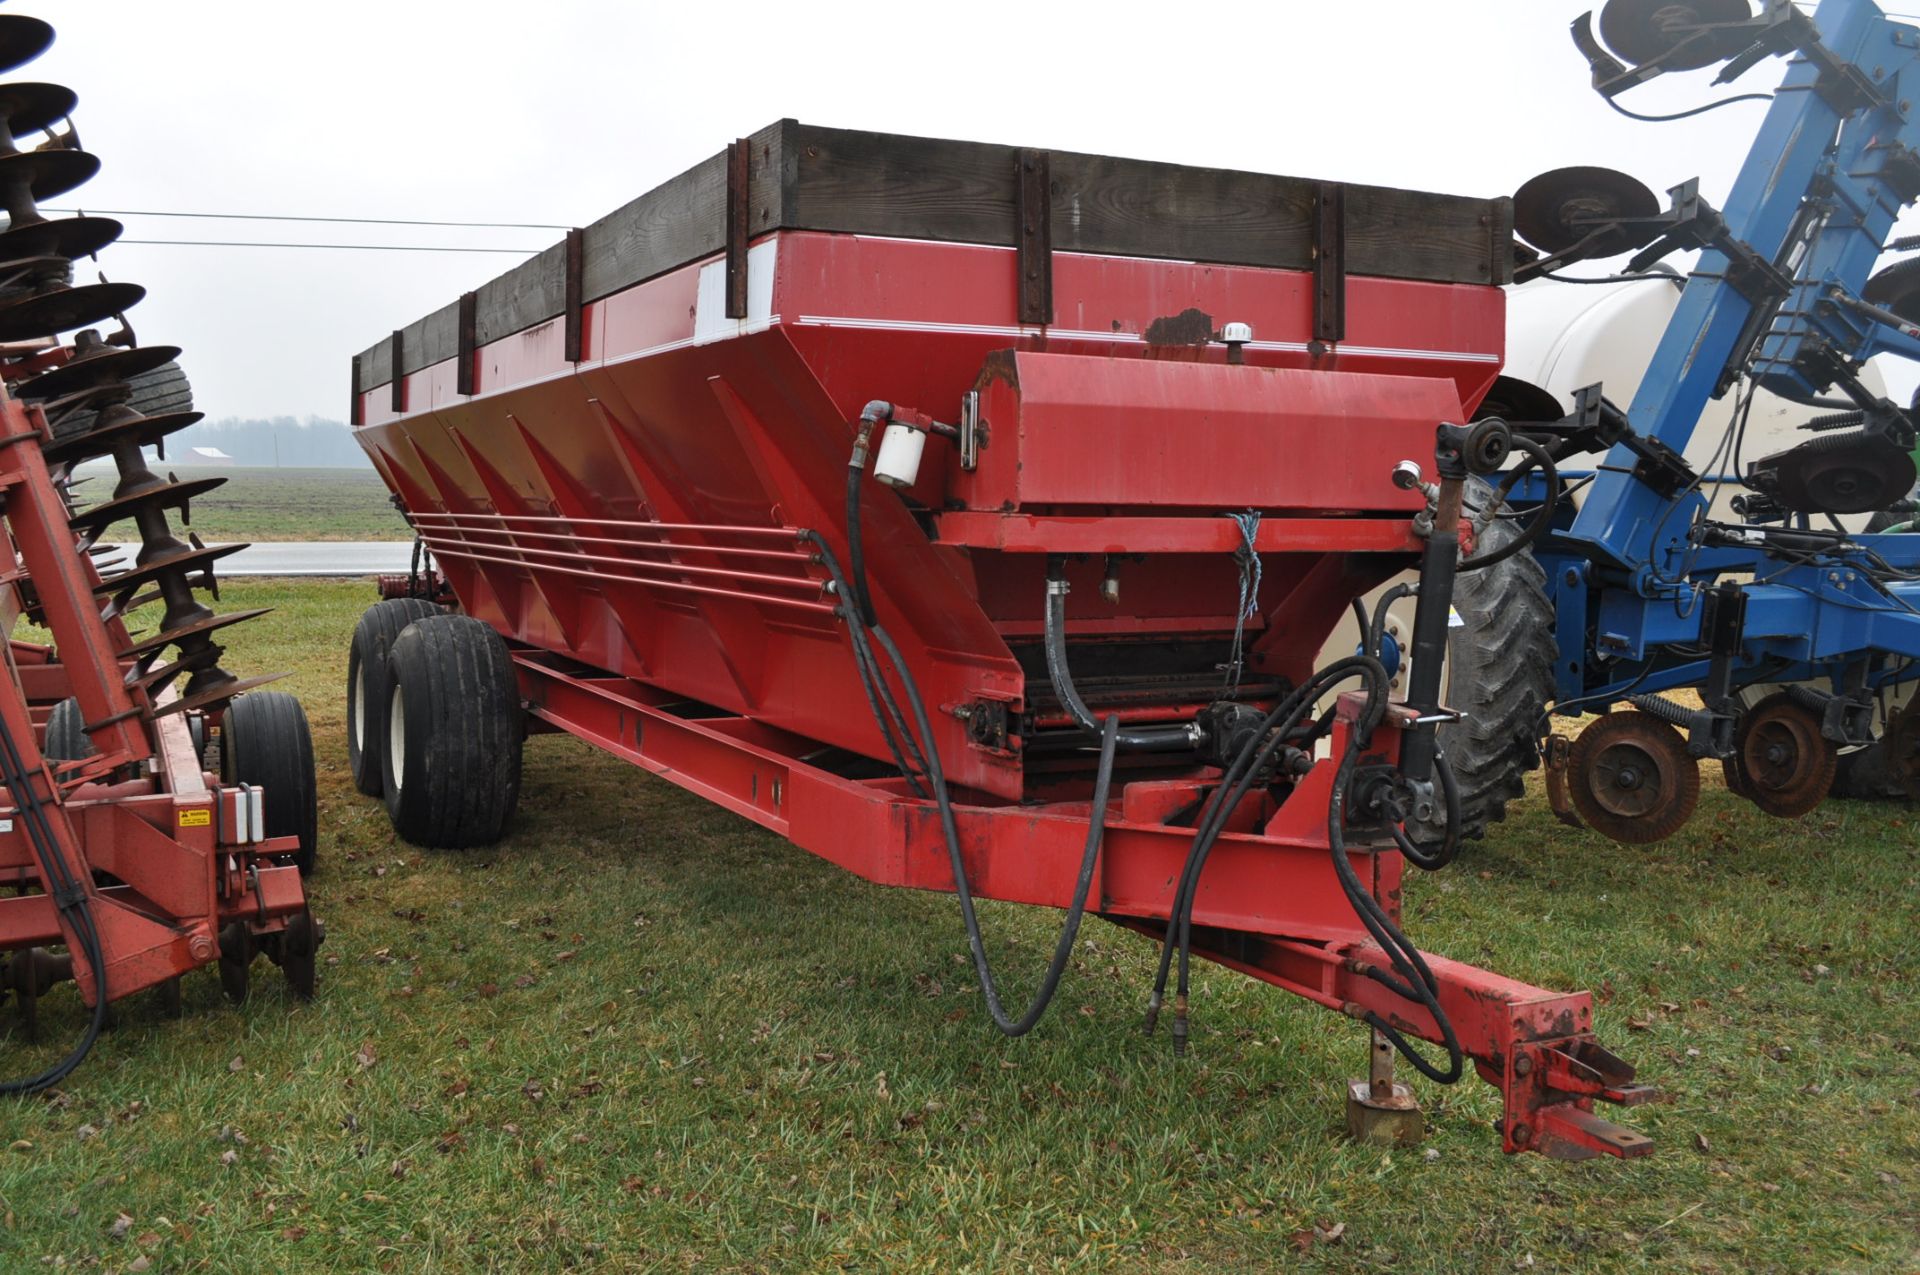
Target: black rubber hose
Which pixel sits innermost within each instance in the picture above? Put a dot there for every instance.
(1419, 984)
(1366, 665)
(1225, 797)
(855, 558)
(936, 776)
(1366, 629)
(1432, 860)
(70, 898)
(1153, 738)
(1377, 630)
(880, 700)
(1542, 518)
(1096, 830)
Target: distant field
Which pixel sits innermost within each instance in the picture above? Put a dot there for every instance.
(279, 504)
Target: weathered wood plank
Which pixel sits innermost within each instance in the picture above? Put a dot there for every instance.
(805, 177)
(532, 292)
(685, 219)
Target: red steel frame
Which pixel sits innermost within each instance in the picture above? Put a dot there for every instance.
(176, 857)
(632, 523)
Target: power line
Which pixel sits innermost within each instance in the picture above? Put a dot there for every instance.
(345, 247)
(355, 221)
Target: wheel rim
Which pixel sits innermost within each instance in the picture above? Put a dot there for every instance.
(358, 708)
(397, 738)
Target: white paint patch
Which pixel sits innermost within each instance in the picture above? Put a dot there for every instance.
(710, 321)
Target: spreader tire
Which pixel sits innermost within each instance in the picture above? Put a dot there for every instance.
(367, 687)
(1500, 658)
(450, 764)
(265, 741)
(66, 737)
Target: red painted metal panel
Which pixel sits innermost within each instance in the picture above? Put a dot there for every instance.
(1073, 431)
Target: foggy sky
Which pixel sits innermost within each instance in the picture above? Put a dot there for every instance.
(559, 112)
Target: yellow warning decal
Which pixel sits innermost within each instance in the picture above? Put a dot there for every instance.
(196, 818)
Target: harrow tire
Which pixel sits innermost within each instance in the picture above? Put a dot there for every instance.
(265, 741)
(367, 687)
(1500, 660)
(165, 389)
(450, 765)
(66, 736)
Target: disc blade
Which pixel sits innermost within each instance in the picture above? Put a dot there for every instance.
(30, 107)
(163, 496)
(160, 641)
(69, 237)
(94, 370)
(216, 694)
(1642, 30)
(180, 564)
(143, 431)
(1557, 209)
(22, 39)
(64, 309)
(48, 174)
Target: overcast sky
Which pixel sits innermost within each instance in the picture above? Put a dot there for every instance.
(558, 112)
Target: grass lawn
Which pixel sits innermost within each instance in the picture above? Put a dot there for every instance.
(276, 504)
(642, 1034)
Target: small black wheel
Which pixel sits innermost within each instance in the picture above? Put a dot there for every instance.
(451, 762)
(367, 687)
(265, 741)
(166, 995)
(236, 960)
(66, 737)
(299, 943)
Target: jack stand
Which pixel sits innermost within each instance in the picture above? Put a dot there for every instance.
(1381, 1111)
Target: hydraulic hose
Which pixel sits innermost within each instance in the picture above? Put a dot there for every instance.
(880, 699)
(926, 750)
(1277, 728)
(856, 559)
(1096, 831)
(70, 897)
(1149, 738)
(1542, 518)
(1433, 859)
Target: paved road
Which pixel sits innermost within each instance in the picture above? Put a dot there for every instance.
(318, 558)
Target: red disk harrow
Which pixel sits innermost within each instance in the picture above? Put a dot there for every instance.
(157, 818)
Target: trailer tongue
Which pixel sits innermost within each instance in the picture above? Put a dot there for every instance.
(972, 517)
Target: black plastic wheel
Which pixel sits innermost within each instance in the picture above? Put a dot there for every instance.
(264, 740)
(367, 688)
(66, 737)
(450, 765)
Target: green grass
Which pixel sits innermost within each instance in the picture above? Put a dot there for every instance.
(642, 1034)
(279, 504)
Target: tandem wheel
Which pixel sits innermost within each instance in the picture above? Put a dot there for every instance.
(450, 753)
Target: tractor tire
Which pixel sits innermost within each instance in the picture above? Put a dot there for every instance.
(1500, 657)
(155, 393)
(367, 686)
(265, 741)
(450, 764)
(66, 736)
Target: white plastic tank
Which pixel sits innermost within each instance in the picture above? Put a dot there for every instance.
(1562, 336)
